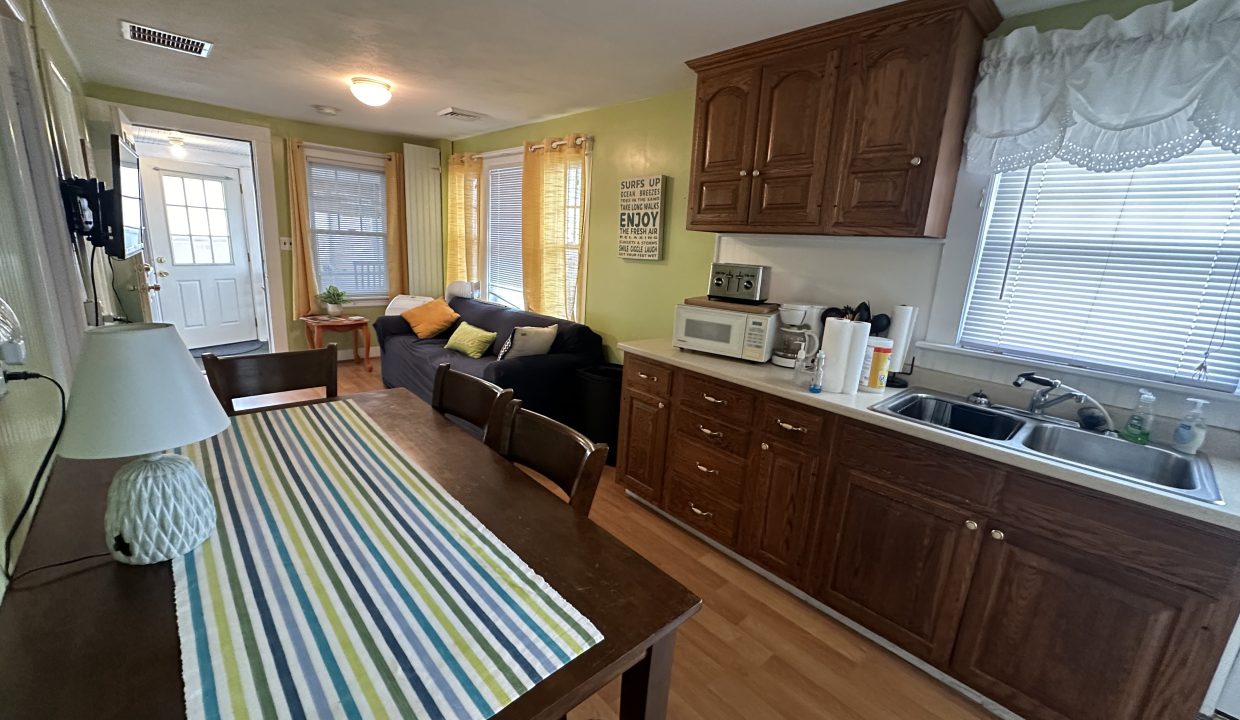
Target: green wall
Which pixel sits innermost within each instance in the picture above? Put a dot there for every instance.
(1074, 17)
(630, 299)
(281, 130)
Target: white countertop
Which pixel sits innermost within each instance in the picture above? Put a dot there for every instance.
(775, 380)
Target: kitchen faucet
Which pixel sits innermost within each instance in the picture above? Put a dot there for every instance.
(1041, 399)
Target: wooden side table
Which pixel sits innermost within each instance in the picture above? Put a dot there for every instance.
(316, 325)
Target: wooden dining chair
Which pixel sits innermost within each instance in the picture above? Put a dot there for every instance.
(473, 400)
(570, 460)
(247, 375)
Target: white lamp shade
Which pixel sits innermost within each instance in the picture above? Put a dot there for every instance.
(137, 391)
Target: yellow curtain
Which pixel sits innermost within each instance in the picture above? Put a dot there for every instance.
(461, 246)
(305, 286)
(397, 240)
(553, 220)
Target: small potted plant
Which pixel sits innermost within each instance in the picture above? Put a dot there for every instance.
(333, 297)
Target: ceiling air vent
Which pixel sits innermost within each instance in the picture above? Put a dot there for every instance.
(165, 39)
(460, 114)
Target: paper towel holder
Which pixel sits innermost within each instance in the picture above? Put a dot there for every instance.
(893, 378)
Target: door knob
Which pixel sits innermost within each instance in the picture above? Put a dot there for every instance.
(160, 260)
(997, 534)
(970, 524)
(162, 273)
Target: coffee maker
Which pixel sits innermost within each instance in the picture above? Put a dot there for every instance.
(800, 326)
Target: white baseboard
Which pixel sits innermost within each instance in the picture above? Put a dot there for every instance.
(347, 353)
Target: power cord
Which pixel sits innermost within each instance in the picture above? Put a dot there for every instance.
(94, 291)
(10, 376)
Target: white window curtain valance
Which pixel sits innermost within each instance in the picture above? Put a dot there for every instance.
(1115, 95)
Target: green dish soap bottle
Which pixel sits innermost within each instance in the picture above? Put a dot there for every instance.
(1137, 429)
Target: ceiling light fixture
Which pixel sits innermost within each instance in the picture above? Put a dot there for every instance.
(326, 109)
(371, 91)
(176, 146)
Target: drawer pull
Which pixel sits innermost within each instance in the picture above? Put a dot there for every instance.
(970, 525)
(706, 470)
(997, 534)
(651, 378)
(714, 400)
(700, 513)
(790, 427)
(661, 406)
(765, 446)
(710, 433)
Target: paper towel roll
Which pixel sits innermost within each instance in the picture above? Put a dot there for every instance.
(836, 336)
(902, 323)
(858, 334)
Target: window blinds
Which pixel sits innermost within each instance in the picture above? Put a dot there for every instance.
(1130, 272)
(348, 227)
(503, 235)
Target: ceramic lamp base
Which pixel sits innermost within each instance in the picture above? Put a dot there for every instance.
(159, 508)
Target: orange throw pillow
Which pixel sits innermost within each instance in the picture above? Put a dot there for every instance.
(430, 319)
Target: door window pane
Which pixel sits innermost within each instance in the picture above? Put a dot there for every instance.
(197, 213)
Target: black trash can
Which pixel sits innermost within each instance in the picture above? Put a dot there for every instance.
(598, 405)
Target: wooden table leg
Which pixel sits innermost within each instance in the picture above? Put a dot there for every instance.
(356, 341)
(309, 334)
(366, 355)
(645, 687)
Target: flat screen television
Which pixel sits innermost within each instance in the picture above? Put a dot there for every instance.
(122, 204)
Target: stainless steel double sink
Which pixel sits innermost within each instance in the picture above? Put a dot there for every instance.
(1187, 475)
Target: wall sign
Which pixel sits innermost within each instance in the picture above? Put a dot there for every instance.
(640, 235)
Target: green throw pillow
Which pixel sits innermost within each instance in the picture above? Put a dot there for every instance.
(473, 341)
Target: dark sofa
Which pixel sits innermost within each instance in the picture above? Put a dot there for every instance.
(545, 383)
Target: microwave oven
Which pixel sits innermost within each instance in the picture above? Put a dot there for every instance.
(731, 333)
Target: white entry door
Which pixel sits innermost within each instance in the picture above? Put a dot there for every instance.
(198, 244)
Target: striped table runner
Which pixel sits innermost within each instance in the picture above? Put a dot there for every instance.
(342, 581)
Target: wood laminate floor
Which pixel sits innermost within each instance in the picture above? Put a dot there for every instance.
(754, 651)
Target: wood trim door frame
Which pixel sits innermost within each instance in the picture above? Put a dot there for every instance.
(264, 178)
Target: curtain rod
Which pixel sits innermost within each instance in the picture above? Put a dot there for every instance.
(580, 141)
(517, 151)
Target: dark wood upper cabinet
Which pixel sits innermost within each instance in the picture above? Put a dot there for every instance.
(1053, 632)
(853, 127)
(897, 562)
(778, 508)
(723, 146)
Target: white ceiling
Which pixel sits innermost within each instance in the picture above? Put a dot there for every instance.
(517, 62)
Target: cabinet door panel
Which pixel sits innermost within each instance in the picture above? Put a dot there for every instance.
(897, 562)
(777, 508)
(1052, 633)
(723, 143)
(643, 444)
(897, 95)
(795, 113)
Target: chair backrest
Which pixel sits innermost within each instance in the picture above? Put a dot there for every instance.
(473, 400)
(561, 454)
(249, 375)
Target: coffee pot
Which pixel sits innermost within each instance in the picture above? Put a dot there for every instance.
(798, 328)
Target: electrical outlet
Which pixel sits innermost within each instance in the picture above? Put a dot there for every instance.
(286, 243)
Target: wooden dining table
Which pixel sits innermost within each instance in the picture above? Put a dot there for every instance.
(98, 638)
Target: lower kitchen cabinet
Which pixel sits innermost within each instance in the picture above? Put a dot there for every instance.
(897, 562)
(1052, 631)
(778, 508)
(643, 443)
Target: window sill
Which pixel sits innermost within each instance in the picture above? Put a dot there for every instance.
(1117, 391)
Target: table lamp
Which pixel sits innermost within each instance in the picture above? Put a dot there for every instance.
(137, 391)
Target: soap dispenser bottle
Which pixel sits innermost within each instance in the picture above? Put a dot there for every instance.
(1190, 433)
(1137, 429)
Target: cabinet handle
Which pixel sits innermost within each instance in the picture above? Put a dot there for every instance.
(970, 524)
(714, 400)
(756, 173)
(790, 427)
(915, 161)
(706, 470)
(700, 513)
(997, 534)
(661, 406)
(710, 433)
(744, 173)
(765, 446)
(651, 378)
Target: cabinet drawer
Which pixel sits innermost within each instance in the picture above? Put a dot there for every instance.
(706, 429)
(1167, 547)
(720, 471)
(724, 401)
(647, 376)
(793, 424)
(930, 469)
(704, 509)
